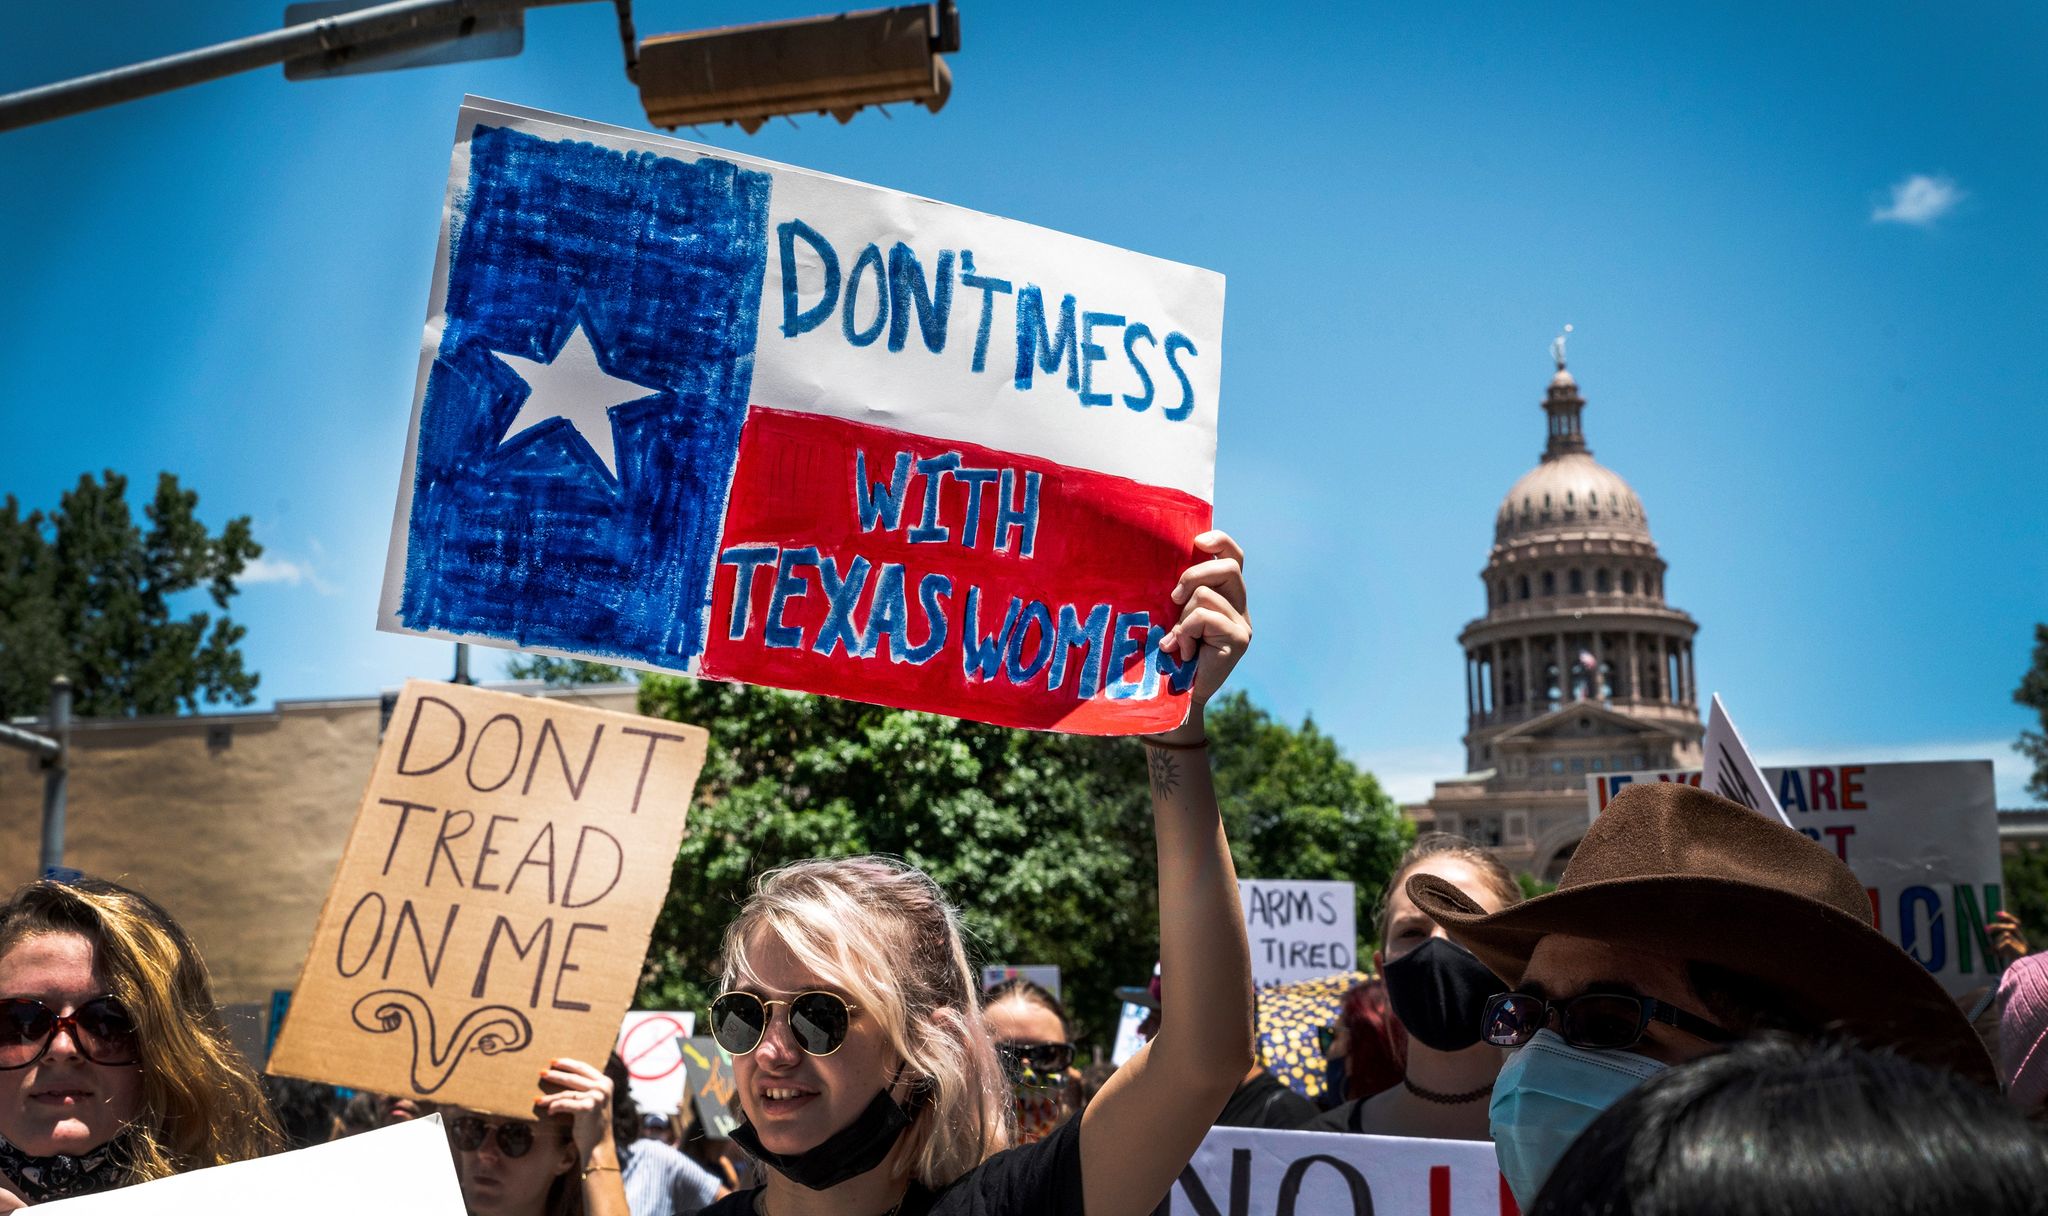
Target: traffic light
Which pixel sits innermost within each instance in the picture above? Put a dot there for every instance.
(834, 65)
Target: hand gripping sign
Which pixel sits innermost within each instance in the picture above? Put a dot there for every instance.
(696, 412)
(494, 901)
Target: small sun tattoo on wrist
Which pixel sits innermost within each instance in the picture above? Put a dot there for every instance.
(1164, 769)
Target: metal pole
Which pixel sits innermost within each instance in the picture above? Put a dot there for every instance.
(392, 26)
(55, 770)
(461, 675)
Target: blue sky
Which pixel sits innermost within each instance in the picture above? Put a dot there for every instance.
(1834, 418)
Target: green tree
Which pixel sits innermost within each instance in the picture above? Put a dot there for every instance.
(88, 593)
(2033, 693)
(1046, 840)
(562, 673)
(2026, 891)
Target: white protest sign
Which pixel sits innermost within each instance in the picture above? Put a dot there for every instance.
(402, 1168)
(1922, 836)
(699, 412)
(1128, 1040)
(649, 1045)
(1299, 928)
(1242, 1171)
(1731, 771)
(1045, 975)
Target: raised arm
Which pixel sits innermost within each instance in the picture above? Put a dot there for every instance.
(582, 1092)
(1149, 1118)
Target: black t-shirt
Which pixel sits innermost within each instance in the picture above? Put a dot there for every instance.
(1264, 1101)
(1345, 1118)
(1044, 1177)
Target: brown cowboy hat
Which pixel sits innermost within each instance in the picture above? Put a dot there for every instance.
(1674, 870)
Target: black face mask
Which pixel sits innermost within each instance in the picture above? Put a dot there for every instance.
(851, 1151)
(1439, 991)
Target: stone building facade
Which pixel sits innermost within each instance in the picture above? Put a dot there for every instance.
(1578, 666)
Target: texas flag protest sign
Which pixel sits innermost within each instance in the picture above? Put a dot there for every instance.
(691, 411)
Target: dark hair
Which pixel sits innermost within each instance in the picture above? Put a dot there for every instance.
(307, 1111)
(1018, 986)
(625, 1111)
(1776, 1127)
(361, 1113)
(1750, 1006)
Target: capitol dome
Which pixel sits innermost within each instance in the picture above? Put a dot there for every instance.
(1579, 665)
(1570, 493)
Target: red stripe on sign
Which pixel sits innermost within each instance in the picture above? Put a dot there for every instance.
(880, 566)
(1439, 1190)
(1508, 1206)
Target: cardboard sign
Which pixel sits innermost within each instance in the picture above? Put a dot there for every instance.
(1045, 975)
(1923, 837)
(1249, 1172)
(1299, 929)
(402, 1168)
(650, 1045)
(692, 411)
(494, 901)
(1731, 771)
(711, 1085)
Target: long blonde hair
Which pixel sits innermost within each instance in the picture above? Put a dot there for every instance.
(201, 1104)
(882, 931)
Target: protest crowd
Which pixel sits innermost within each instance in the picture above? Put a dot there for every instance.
(1699, 1018)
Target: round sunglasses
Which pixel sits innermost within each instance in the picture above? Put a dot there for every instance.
(101, 1029)
(468, 1133)
(817, 1021)
(1597, 1021)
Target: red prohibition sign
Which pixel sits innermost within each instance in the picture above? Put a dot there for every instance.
(647, 1036)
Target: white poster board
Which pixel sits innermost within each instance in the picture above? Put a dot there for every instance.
(1045, 975)
(402, 1168)
(1299, 928)
(693, 411)
(1922, 836)
(1128, 1040)
(650, 1046)
(1329, 1174)
(1731, 771)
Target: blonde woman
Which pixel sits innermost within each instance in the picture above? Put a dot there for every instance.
(115, 1067)
(867, 1077)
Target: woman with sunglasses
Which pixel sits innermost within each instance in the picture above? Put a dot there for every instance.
(115, 1066)
(1029, 1026)
(866, 1075)
(563, 1163)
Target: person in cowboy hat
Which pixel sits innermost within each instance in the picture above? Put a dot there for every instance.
(1684, 921)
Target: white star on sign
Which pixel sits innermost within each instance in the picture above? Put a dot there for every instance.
(573, 386)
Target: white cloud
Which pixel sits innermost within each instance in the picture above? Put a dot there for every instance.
(1919, 200)
(283, 570)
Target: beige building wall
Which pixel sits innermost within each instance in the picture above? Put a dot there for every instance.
(233, 822)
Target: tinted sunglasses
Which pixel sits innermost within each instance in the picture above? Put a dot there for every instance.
(468, 1133)
(101, 1029)
(1599, 1021)
(1041, 1058)
(817, 1021)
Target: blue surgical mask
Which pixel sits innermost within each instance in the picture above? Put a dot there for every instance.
(1546, 1094)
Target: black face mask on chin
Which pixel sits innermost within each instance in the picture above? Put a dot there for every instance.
(1439, 991)
(851, 1151)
